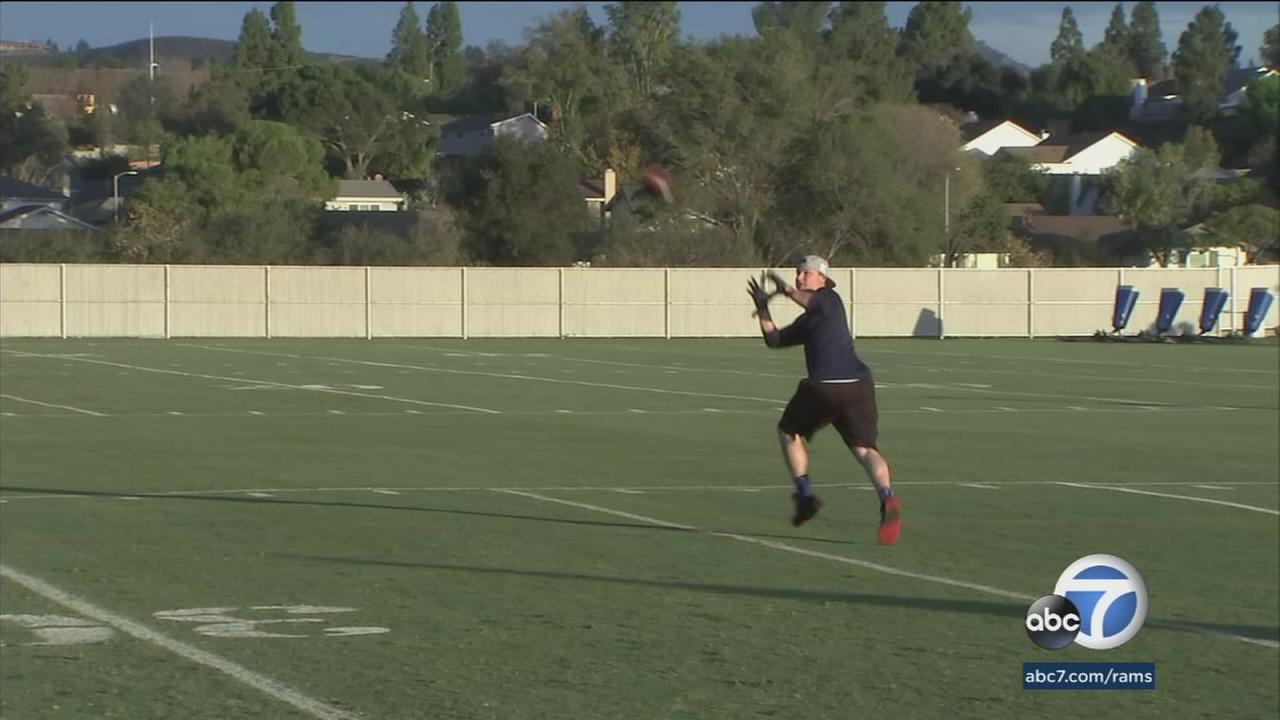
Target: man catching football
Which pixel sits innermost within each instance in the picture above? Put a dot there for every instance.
(838, 391)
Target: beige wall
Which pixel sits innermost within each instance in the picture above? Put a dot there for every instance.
(254, 301)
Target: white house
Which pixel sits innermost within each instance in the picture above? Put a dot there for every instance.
(1159, 101)
(988, 137)
(474, 134)
(366, 195)
(1082, 158)
(598, 193)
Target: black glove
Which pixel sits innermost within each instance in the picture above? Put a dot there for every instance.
(779, 285)
(759, 297)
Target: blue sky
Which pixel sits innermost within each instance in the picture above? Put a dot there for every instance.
(1022, 30)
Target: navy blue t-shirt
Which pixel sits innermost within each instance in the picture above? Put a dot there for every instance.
(828, 346)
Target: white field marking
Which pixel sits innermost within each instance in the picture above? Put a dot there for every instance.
(931, 409)
(285, 386)
(625, 491)
(255, 412)
(505, 376)
(260, 494)
(602, 488)
(781, 546)
(1006, 409)
(636, 410)
(1192, 498)
(336, 412)
(695, 412)
(52, 405)
(887, 569)
(257, 681)
(386, 492)
(1104, 378)
(174, 412)
(711, 410)
(1221, 407)
(672, 368)
(127, 497)
(61, 630)
(1039, 396)
(981, 486)
(1077, 361)
(1077, 407)
(1211, 487)
(8, 414)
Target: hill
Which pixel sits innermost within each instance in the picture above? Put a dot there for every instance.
(999, 59)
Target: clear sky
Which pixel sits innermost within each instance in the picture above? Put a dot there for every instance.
(1022, 30)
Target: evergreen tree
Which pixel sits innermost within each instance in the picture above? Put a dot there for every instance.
(444, 43)
(409, 44)
(1146, 49)
(1201, 62)
(937, 35)
(253, 49)
(1271, 47)
(286, 37)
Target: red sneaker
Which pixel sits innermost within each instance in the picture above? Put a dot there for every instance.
(890, 520)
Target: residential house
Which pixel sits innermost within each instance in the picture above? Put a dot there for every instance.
(375, 195)
(1080, 160)
(40, 217)
(15, 193)
(473, 134)
(1077, 239)
(1162, 100)
(598, 193)
(989, 136)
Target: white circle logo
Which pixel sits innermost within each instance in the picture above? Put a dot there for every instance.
(1110, 596)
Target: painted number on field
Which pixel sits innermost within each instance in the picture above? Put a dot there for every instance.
(268, 621)
(60, 629)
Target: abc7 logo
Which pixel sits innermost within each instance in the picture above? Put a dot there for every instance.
(1100, 602)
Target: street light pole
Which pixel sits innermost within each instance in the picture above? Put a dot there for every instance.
(115, 194)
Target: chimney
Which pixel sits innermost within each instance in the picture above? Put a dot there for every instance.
(610, 185)
(1139, 98)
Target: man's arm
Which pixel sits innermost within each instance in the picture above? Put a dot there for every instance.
(796, 295)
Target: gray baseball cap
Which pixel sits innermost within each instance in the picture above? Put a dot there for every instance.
(818, 265)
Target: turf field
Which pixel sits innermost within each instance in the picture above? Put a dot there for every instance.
(598, 529)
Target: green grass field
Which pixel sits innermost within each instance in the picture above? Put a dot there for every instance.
(599, 529)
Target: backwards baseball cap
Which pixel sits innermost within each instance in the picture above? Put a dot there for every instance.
(818, 265)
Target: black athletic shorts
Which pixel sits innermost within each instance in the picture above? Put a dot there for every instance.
(849, 407)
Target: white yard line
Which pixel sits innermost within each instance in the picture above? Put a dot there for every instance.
(383, 489)
(1075, 361)
(888, 569)
(286, 386)
(878, 567)
(505, 376)
(1191, 498)
(257, 681)
(52, 405)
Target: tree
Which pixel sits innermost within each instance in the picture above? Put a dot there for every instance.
(564, 68)
(31, 143)
(937, 35)
(1069, 44)
(353, 120)
(1199, 148)
(1116, 36)
(983, 227)
(804, 19)
(409, 49)
(1270, 49)
(643, 37)
(286, 38)
(1256, 228)
(1146, 49)
(1012, 179)
(520, 204)
(1150, 191)
(861, 35)
(444, 43)
(1201, 62)
(253, 49)
(1070, 75)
